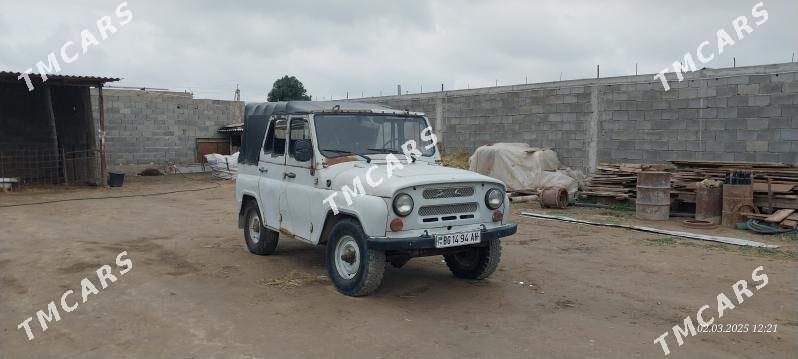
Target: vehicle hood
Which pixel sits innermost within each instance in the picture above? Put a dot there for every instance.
(414, 174)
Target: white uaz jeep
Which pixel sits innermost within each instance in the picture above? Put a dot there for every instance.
(365, 181)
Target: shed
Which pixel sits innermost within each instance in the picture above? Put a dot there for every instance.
(47, 132)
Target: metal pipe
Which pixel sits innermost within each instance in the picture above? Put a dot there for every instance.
(101, 105)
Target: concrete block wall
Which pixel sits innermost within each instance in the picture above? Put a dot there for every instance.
(145, 127)
(733, 114)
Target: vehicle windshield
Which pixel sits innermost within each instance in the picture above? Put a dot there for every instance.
(366, 134)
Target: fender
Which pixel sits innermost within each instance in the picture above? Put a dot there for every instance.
(370, 211)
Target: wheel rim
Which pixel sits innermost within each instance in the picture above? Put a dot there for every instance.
(347, 257)
(254, 227)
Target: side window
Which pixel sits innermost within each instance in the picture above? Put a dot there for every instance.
(275, 138)
(279, 137)
(268, 144)
(299, 131)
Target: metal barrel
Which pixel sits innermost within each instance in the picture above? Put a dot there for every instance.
(737, 198)
(653, 196)
(708, 204)
(554, 198)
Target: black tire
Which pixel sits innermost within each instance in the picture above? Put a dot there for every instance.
(366, 271)
(264, 241)
(477, 262)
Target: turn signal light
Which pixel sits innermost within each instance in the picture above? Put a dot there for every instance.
(498, 216)
(397, 224)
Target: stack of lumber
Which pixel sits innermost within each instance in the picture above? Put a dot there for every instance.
(775, 184)
(617, 181)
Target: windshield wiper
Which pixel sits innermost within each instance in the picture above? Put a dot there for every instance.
(385, 150)
(345, 152)
(391, 151)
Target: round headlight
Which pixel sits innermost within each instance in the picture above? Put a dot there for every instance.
(494, 198)
(403, 204)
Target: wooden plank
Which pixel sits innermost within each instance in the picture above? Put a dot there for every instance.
(730, 164)
(755, 215)
(762, 201)
(789, 224)
(776, 187)
(780, 215)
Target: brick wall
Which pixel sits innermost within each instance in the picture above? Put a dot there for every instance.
(160, 127)
(741, 114)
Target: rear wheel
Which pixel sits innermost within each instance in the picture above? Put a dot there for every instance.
(477, 262)
(259, 239)
(354, 269)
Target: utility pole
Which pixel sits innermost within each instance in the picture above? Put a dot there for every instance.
(598, 71)
(237, 96)
(635, 68)
(398, 90)
(734, 64)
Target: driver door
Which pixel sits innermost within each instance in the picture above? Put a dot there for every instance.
(299, 183)
(271, 165)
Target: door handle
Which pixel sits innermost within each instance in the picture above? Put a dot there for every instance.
(289, 175)
(263, 170)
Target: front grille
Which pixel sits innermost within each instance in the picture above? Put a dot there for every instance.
(445, 209)
(448, 192)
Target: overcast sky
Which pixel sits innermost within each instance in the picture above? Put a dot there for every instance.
(368, 47)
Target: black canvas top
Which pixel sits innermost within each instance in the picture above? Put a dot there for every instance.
(257, 114)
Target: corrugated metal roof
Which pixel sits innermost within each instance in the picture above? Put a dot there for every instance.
(235, 127)
(6, 75)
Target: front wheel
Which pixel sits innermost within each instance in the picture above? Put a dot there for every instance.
(354, 269)
(477, 262)
(259, 239)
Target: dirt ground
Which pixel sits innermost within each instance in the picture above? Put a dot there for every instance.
(562, 290)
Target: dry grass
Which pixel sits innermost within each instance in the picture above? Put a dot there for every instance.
(457, 159)
(294, 280)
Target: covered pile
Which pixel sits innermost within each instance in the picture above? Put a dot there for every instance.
(223, 166)
(523, 168)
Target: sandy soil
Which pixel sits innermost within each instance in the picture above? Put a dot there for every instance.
(562, 290)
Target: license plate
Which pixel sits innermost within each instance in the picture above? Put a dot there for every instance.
(456, 239)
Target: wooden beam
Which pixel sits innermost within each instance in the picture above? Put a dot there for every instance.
(48, 106)
(780, 215)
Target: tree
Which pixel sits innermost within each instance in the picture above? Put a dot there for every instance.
(287, 89)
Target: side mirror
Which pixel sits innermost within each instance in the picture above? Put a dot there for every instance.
(303, 150)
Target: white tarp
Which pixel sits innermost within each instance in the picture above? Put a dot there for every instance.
(522, 167)
(224, 167)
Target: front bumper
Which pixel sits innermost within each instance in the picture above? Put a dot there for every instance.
(425, 241)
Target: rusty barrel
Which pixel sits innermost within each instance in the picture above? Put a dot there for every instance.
(737, 198)
(653, 196)
(708, 204)
(554, 198)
